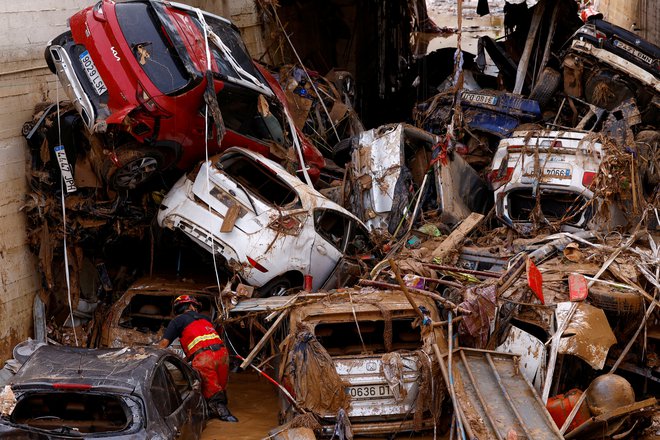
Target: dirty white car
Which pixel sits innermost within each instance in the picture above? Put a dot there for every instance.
(270, 227)
(556, 168)
(365, 352)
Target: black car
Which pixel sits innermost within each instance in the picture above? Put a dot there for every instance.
(128, 393)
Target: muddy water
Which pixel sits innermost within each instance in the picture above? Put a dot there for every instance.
(254, 401)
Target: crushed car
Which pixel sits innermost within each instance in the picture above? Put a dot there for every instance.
(266, 224)
(68, 392)
(363, 353)
(142, 313)
(137, 73)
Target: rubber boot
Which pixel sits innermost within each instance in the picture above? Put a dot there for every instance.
(218, 407)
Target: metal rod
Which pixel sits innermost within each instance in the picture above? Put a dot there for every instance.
(507, 397)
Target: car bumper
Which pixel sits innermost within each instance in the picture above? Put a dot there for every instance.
(72, 85)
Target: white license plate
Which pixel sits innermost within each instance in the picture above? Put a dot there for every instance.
(634, 52)
(92, 73)
(364, 392)
(478, 98)
(557, 173)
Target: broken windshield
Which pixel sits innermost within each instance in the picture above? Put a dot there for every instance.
(151, 48)
(69, 413)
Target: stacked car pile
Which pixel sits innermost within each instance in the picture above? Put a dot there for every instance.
(520, 212)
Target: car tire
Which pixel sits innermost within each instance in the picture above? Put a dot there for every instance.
(546, 86)
(136, 166)
(341, 152)
(278, 286)
(616, 302)
(49, 61)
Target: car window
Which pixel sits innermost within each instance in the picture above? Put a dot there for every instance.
(258, 180)
(240, 113)
(345, 233)
(330, 225)
(180, 376)
(165, 395)
(83, 412)
(379, 336)
(153, 312)
(232, 39)
(153, 52)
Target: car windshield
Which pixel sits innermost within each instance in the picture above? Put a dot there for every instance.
(377, 336)
(151, 47)
(72, 412)
(153, 312)
(258, 180)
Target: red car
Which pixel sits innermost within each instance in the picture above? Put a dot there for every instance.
(135, 72)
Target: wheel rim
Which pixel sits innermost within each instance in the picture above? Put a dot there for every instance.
(135, 172)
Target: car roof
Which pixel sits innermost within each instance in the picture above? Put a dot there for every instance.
(169, 286)
(122, 369)
(342, 306)
(302, 188)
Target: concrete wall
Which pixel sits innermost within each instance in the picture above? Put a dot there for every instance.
(642, 15)
(25, 27)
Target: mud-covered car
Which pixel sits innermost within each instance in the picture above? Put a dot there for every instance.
(67, 392)
(141, 315)
(365, 354)
(137, 71)
(552, 167)
(266, 224)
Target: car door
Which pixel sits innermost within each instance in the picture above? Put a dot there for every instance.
(179, 404)
(337, 236)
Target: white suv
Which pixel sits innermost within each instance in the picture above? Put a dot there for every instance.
(270, 227)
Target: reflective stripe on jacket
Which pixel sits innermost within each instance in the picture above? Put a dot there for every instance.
(198, 334)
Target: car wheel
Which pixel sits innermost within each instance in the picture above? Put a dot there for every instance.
(49, 61)
(546, 86)
(618, 302)
(133, 167)
(278, 286)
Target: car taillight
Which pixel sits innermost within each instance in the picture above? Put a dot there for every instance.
(148, 103)
(499, 177)
(98, 12)
(72, 386)
(588, 178)
(256, 265)
(514, 148)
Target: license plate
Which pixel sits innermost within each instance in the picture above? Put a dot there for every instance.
(634, 52)
(365, 392)
(92, 73)
(478, 98)
(557, 173)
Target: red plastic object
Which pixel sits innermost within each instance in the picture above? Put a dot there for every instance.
(308, 283)
(535, 280)
(577, 287)
(561, 406)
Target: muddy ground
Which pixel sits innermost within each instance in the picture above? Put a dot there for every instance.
(254, 401)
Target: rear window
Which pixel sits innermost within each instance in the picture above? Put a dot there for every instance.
(258, 180)
(73, 412)
(150, 47)
(378, 336)
(151, 312)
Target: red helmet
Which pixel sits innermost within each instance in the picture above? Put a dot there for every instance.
(185, 299)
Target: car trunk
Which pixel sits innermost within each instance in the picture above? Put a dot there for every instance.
(246, 187)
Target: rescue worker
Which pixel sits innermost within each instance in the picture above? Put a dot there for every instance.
(204, 349)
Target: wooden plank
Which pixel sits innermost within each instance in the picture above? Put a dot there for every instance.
(257, 348)
(457, 235)
(529, 45)
(230, 218)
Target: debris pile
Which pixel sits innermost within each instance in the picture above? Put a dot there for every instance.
(490, 266)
